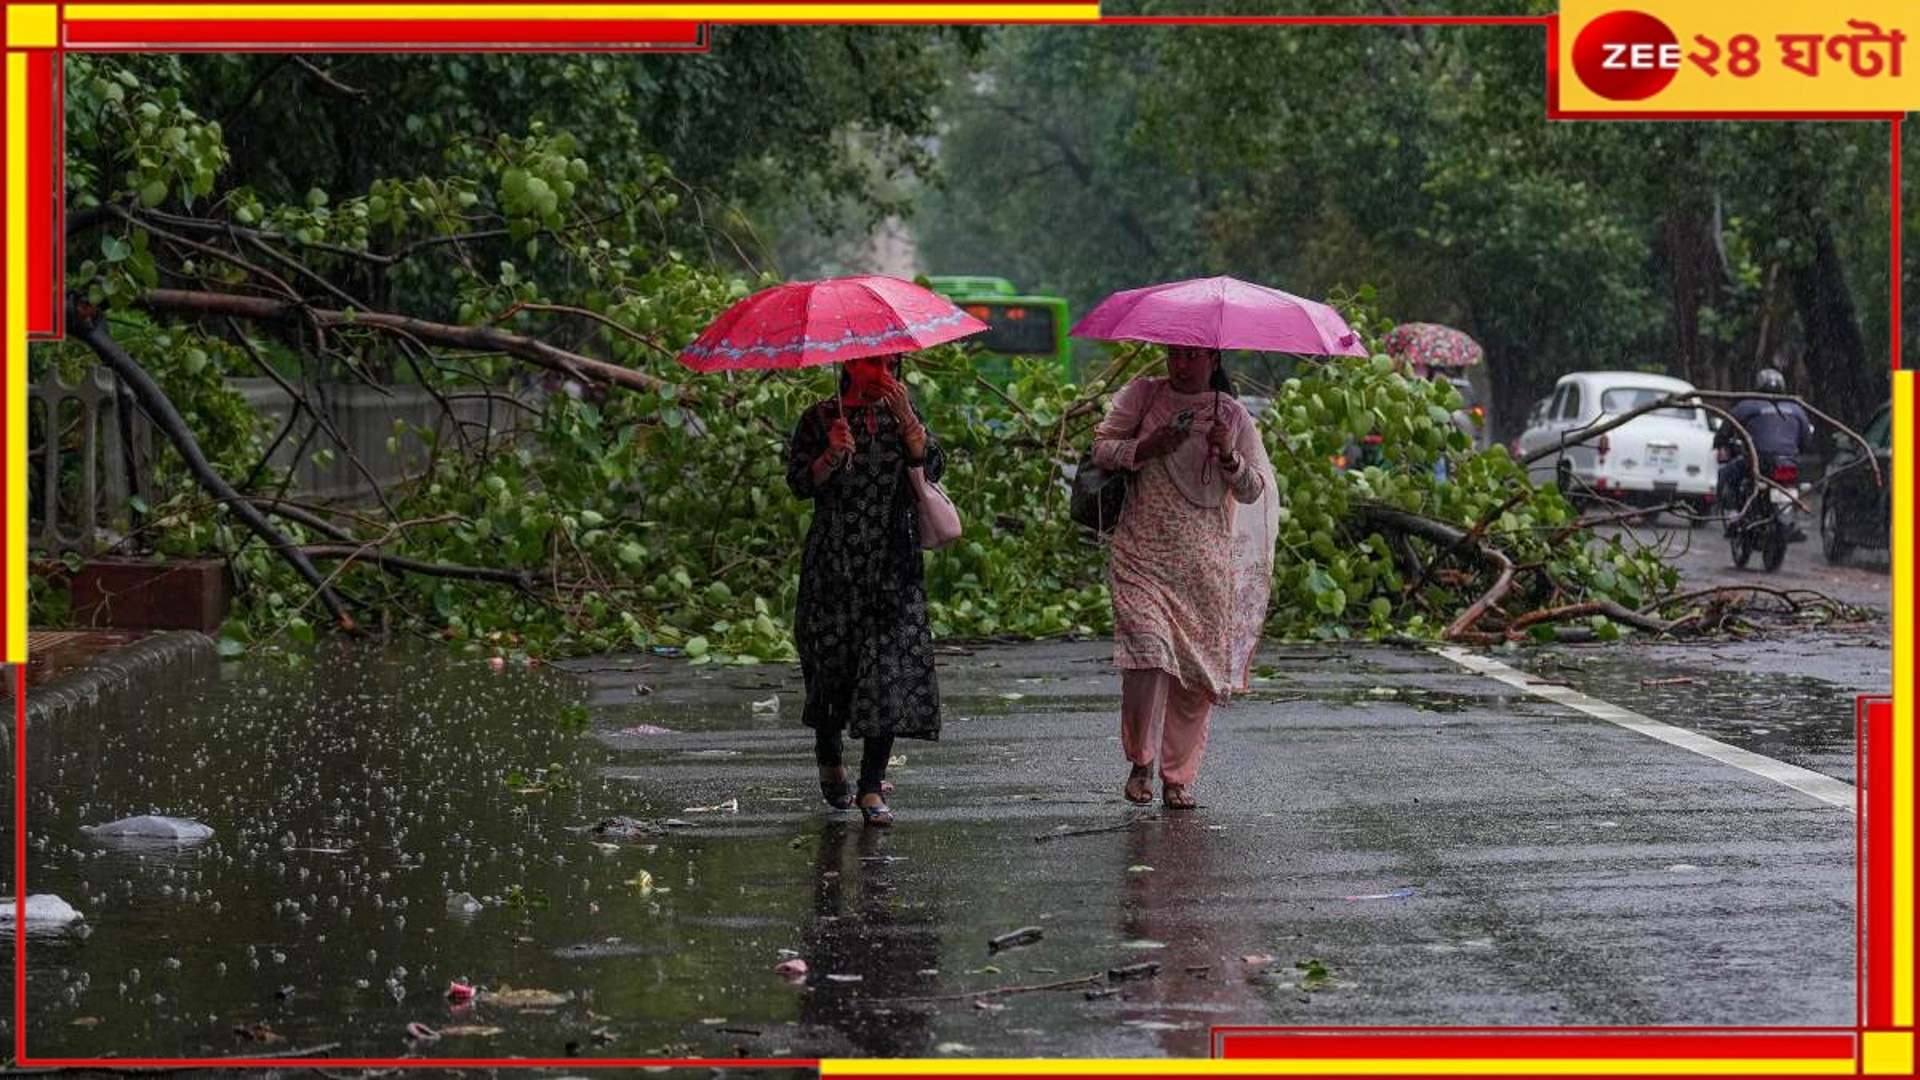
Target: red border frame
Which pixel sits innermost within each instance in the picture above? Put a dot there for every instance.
(410, 35)
(1875, 917)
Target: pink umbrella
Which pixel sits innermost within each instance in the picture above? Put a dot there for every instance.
(1221, 313)
(824, 322)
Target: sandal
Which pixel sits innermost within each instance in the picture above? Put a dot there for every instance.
(1139, 787)
(838, 793)
(877, 816)
(1175, 797)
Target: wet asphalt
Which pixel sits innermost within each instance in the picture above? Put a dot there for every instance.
(1383, 839)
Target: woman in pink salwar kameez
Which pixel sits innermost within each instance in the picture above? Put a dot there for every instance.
(1191, 557)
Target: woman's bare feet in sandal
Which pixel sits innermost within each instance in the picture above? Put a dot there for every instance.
(1139, 787)
(834, 787)
(1175, 797)
(875, 811)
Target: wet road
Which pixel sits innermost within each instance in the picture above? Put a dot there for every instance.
(1704, 558)
(1385, 838)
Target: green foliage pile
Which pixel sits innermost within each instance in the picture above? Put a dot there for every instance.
(663, 519)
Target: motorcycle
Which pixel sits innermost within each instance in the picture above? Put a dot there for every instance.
(1767, 521)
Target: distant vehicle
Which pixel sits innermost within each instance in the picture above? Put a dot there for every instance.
(1654, 459)
(1536, 417)
(1767, 520)
(952, 285)
(1018, 325)
(1855, 511)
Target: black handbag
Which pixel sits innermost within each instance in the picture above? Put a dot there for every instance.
(1098, 495)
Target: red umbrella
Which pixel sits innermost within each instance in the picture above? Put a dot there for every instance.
(807, 323)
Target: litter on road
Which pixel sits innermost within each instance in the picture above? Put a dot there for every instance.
(1026, 935)
(1401, 893)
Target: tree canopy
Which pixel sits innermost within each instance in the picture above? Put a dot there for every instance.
(1420, 159)
(545, 232)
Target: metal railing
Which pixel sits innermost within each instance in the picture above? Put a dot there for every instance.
(89, 453)
(91, 449)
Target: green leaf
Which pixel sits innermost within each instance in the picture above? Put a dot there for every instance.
(1313, 975)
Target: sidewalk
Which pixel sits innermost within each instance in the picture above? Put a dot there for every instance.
(106, 669)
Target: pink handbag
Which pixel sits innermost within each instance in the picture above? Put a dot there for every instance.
(939, 521)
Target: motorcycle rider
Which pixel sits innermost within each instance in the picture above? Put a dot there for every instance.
(1780, 430)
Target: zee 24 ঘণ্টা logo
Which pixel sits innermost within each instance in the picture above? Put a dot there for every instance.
(1631, 55)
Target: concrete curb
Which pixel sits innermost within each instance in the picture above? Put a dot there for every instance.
(123, 677)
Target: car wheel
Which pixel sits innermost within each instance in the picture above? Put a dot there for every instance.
(1832, 545)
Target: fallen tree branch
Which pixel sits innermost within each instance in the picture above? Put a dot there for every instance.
(1816, 598)
(531, 350)
(398, 255)
(1440, 532)
(154, 401)
(299, 404)
(591, 316)
(304, 516)
(1865, 446)
(1472, 535)
(1609, 608)
(364, 551)
(286, 288)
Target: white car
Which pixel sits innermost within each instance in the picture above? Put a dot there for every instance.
(1655, 458)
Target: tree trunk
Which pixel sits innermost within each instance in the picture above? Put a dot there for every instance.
(1510, 376)
(1840, 377)
(1689, 247)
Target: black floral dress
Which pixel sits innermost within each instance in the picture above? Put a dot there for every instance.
(861, 626)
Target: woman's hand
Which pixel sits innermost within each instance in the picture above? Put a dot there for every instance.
(1164, 440)
(1220, 440)
(839, 442)
(912, 432)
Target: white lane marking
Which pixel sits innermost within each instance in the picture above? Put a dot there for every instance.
(1825, 788)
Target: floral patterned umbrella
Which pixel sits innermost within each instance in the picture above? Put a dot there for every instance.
(1430, 345)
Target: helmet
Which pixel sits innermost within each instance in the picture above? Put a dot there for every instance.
(1770, 381)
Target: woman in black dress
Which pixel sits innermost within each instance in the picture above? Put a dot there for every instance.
(861, 626)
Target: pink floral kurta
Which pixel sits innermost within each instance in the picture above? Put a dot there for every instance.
(1172, 573)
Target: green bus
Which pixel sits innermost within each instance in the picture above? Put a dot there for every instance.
(1017, 325)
